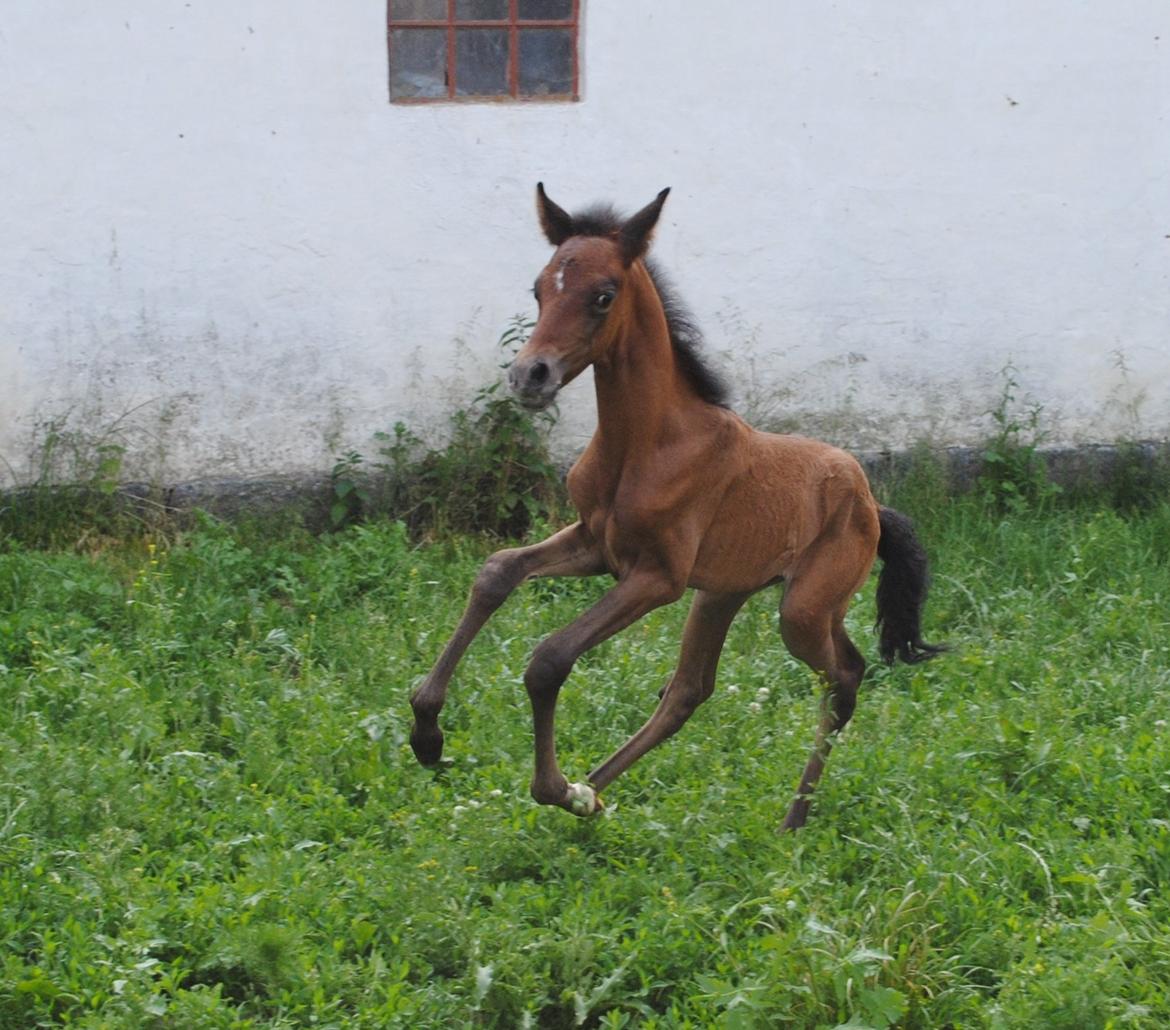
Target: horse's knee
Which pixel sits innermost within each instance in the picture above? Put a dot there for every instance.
(679, 701)
(496, 579)
(548, 668)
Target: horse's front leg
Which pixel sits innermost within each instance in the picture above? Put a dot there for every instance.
(709, 620)
(571, 552)
(632, 597)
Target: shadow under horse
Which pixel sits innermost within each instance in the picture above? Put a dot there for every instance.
(675, 491)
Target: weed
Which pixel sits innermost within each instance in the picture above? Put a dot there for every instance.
(351, 492)
(494, 474)
(70, 491)
(1014, 477)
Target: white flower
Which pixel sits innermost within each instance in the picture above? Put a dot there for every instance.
(755, 708)
(732, 688)
(763, 694)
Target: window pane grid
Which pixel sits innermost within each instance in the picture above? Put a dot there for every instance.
(538, 61)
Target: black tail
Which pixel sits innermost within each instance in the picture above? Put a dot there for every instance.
(901, 591)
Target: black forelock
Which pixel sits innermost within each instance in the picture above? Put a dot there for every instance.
(685, 335)
(598, 220)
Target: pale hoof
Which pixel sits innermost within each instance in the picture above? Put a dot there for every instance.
(583, 800)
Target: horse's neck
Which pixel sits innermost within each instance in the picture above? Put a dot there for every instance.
(641, 397)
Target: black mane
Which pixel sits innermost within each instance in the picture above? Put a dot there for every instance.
(685, 335)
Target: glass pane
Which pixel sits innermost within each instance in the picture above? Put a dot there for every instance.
(418, 63)
(546, 62)
(481, 62)
(481, 10)
(418, 10)
(546, 10)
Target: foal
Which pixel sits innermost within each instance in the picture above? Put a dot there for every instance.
(675, 491)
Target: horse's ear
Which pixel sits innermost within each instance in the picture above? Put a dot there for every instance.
(634, 235)
(556, 222)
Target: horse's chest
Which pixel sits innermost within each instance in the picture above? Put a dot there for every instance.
(606, 529)
(606, 523)
(592, 495)
(626, 519)
(624, 535)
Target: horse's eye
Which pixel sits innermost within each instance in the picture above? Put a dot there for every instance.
(603, 300)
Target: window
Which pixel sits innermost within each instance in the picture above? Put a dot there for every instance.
(477, 49)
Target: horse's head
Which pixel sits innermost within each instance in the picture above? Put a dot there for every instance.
(580, 294)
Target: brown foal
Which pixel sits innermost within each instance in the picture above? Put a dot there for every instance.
(676, 491)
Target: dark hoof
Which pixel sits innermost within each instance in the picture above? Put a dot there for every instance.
(427, 745)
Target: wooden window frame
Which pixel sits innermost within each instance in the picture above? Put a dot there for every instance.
(512, 24)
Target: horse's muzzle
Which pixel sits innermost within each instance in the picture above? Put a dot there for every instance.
(535, 382)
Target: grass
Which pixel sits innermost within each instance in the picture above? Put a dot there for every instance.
(210, 816)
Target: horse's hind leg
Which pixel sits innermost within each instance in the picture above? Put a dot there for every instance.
(567, 553)
(828, 650)
(812, 624)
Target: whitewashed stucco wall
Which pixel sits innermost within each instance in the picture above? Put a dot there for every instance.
(218, 231)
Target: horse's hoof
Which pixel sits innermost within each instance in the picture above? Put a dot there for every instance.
(427, 745)
(583, 800)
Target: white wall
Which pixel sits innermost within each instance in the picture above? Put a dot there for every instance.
(217, 228)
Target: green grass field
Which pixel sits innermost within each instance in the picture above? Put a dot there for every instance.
(210, 815)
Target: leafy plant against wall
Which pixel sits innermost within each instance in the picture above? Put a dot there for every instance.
(1014, 477)
(495, 473)
(351, 492)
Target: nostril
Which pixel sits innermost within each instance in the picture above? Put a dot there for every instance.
(538, 373)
